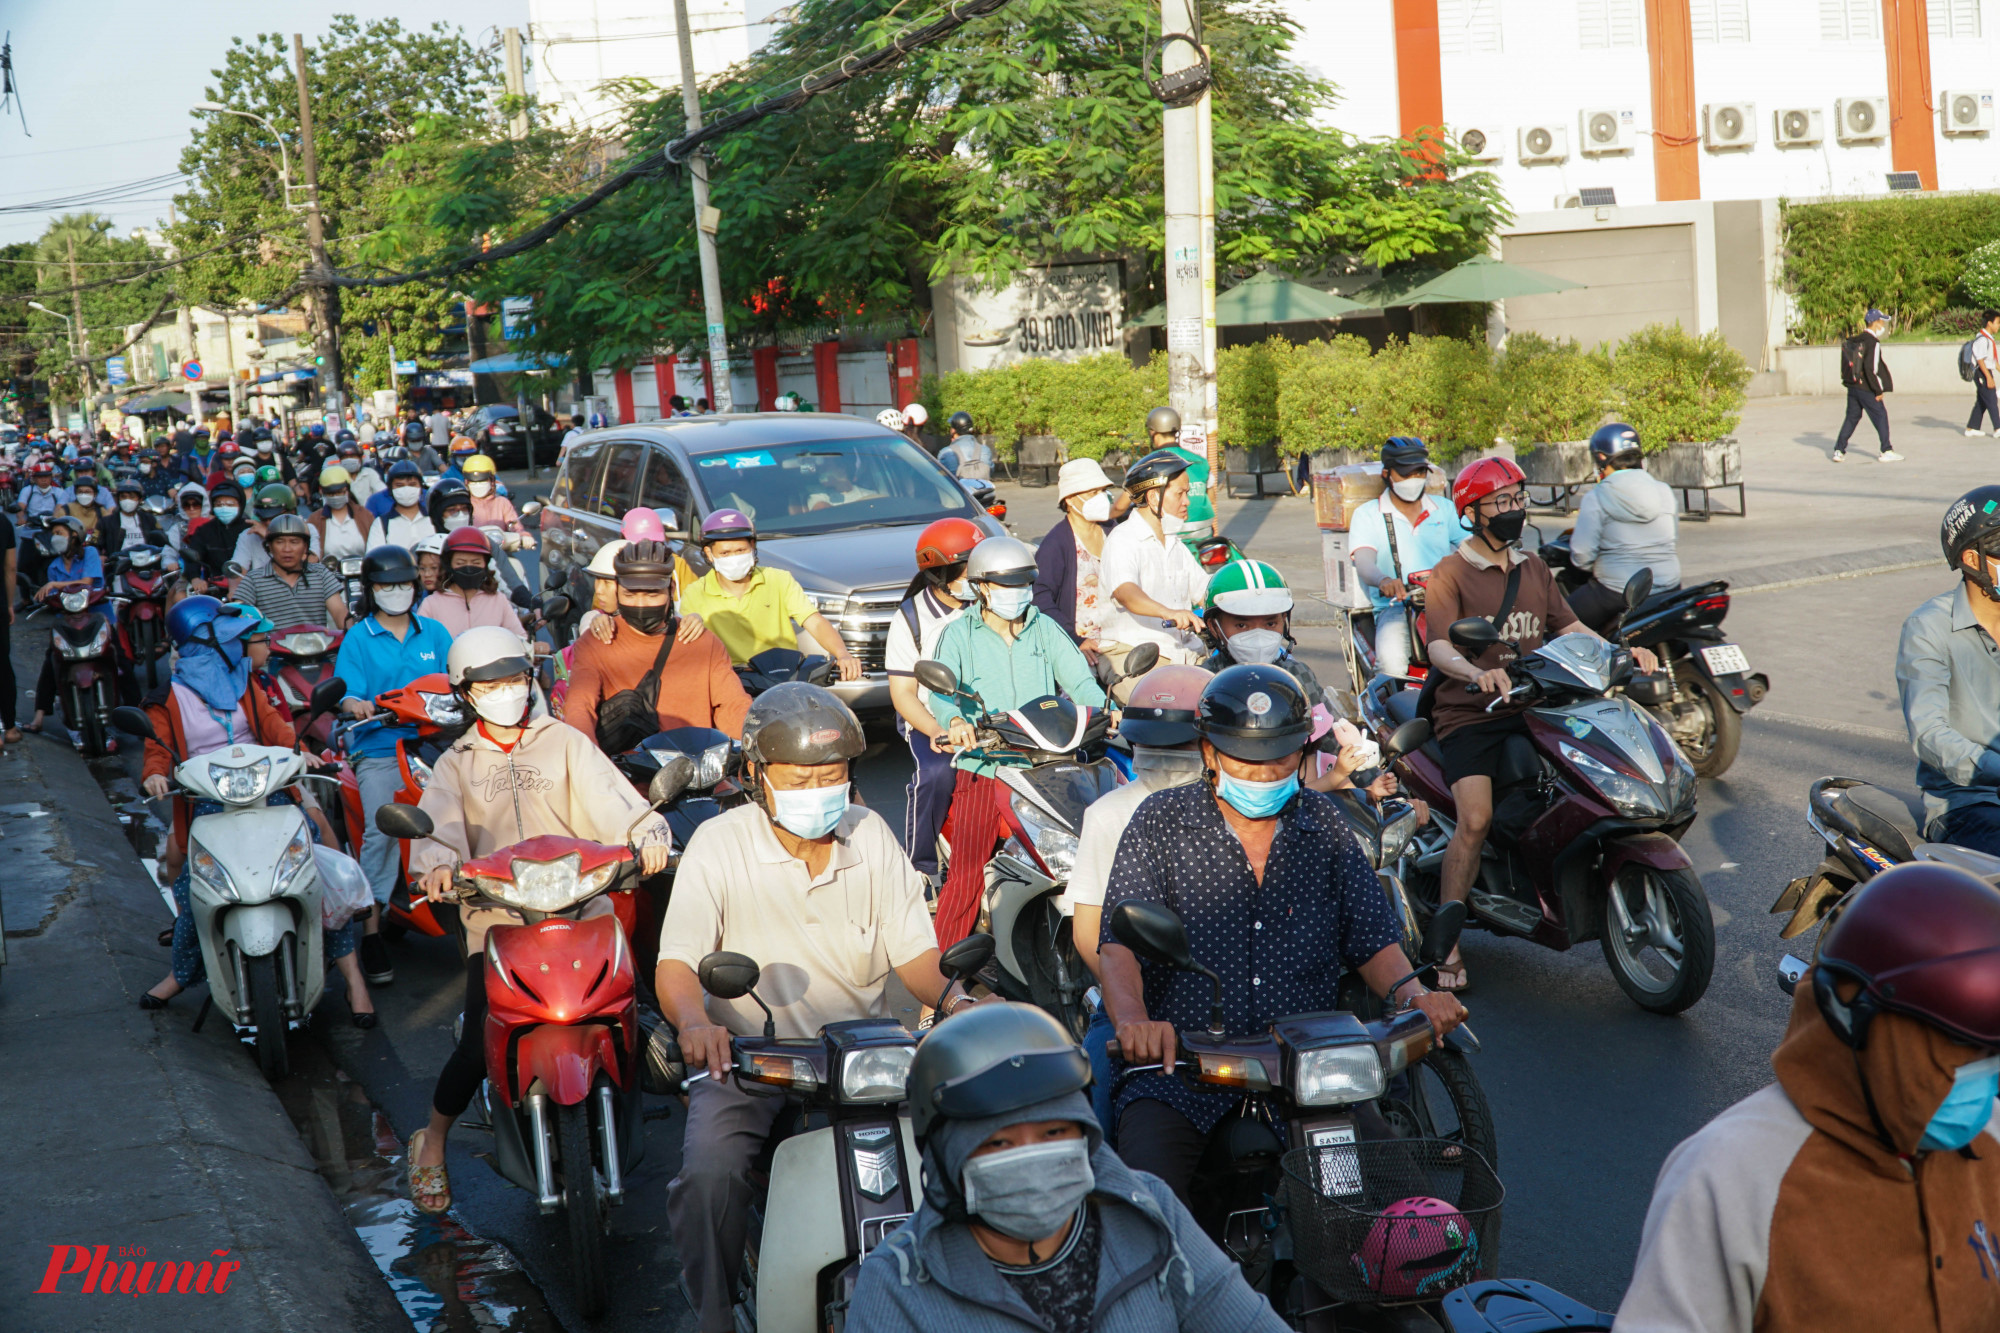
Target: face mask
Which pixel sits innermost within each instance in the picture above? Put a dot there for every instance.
(1028, 1193)
(505, 706)
(226, 513)
(962, 590)
(335, 499)
(1009, 603)
(1506, 528)
(645, 619)
(1159, 769)
(735, 568)
(1256, 800)
(1171, 526)
(86, 497)
(481, 489)
(1966, 1109)
(1097, 509)
(59, 543)
(468, 577)
(129, 506)
(246, 477)
(1257, 647)
(395, 598)
(456, 520)
(812, 813)
(406, 496)
(145, 469)
(1408, 489)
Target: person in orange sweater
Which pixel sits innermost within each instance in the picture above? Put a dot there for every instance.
(644, 681)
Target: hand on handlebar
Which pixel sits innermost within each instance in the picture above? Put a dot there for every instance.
(157, 785)
(436, 884)
(1185, 621)
(358, 708)
(652, 858)
(1496, 681)
(1646, 660)
(1444, 1010)
(1146, 1043)
(961, 735)
(707, 1047)
(1392, 589)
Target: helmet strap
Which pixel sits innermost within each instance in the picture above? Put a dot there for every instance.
(1977, 576)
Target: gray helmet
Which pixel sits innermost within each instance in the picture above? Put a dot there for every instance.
(1002, 560)
(1163, 421)
(287, 525)
(797, 723)
(989, 1060)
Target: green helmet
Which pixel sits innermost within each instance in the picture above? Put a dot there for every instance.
(268, 474)
(1248, 588)
(273, 500)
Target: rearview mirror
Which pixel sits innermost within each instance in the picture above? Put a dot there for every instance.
(670, 519)
(1473, 635)
(554, 579)
(1410, 736)
(326, 695)
(728, 976)
(1141, 660)
(530, 509)
(134, 721)
(936, 677)
(1153, 932)
(967, 956)
(674, 777)
(521, 598)
(555, 606)
(1638, 588)
(402, 822)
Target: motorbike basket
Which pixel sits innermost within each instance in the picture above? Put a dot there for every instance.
(1385, 1221)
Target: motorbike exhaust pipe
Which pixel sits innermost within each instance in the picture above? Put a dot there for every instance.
(545, 1169)
(607, 1129)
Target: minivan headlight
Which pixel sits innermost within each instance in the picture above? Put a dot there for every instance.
(1337, 1075)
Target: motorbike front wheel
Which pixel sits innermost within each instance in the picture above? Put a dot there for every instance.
(90, 724)
(1659, 937)
(1714, 751)
(267, 1011)
(584, 1204)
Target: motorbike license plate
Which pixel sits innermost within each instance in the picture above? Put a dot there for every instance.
(1725, 659)
(1339, 1172)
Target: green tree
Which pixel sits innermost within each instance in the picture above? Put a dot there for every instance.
(123, 287)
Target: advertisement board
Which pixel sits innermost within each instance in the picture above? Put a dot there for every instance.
(1060, 312)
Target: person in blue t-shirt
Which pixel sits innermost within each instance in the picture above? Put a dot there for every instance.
(1425, 531)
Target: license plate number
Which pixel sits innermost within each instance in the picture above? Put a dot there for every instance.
(1725, 659)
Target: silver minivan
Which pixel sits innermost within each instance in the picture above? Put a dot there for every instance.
(838, 502)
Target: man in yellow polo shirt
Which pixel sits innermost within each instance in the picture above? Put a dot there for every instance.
(753, 608)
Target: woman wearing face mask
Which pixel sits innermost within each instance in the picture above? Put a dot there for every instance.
(346, 529)
(1069, 588)
(1402, 532)
(1151, 577)
(644, 681)
(84, 508)
(450, 506)
(1007, 654)
(73, 565)
(509, 778)
(1063, 1235)
(210, 547)
(130, 524)
(490, 509)
(468, 595)
(936, 596)
(752, 607)
(190, 512)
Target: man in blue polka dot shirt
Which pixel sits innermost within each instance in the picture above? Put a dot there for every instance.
(1276, 898)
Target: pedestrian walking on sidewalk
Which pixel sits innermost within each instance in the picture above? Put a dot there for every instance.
(1985, 373)
(1867, 378)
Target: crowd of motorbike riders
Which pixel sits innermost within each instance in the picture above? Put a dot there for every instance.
(1056, 1176)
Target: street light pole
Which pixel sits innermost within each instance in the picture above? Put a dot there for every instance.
(326, 297)
(1190, 243)
(69, 337)
(706, 220)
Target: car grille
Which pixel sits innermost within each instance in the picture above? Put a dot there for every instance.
(863, 622)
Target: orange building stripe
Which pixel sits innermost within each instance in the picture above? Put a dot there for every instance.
(1906, 40)
(1676, 137)
(1419, 80)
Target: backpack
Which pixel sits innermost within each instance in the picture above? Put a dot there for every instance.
(1851, 354)
(1968, 363)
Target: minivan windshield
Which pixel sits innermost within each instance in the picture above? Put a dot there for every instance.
(795, 490)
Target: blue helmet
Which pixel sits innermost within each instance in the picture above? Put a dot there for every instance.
(403, 467)
(191, 615)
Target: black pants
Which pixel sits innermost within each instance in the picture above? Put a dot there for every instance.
(1597, 606)
(9, 689)
(1985, 403)
(1859, 400)
(1153, 1136)
(466, 1069)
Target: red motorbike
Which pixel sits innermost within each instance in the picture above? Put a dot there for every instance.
(302, 657)
(144, 584)
(84, 647)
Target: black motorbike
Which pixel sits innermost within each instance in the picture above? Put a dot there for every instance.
(1704, 685)
(775, 666)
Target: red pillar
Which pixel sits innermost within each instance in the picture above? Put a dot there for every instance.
(903, 364)
(664, 384)
(622, 382)
(765, 359)
(1419, 77)
(826, 373)
(1906, 40)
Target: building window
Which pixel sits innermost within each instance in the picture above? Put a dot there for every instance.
(1954, 18)
(1469, 27)
(1720, 20)
(1850, 20)
(1601, 24)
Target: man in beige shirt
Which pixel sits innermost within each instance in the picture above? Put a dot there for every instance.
(820, 893)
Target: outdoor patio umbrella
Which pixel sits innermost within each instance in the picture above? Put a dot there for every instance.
(1481, 278)
(1268, 298)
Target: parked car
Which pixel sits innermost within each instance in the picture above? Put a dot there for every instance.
(501, 435)
(838, 502)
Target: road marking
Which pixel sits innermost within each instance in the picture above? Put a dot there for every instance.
(1896, 568)
(1822, 724)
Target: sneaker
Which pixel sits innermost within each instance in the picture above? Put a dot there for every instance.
(1839, 456)
(1891, 456)
(375, 963)
(1972, 434)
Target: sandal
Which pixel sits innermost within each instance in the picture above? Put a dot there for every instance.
(13, 735)
(427, 1182)
(1451, 978)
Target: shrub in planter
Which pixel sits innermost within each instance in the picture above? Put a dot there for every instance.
(1673, 386)
(1441, 389)
(1321, 394)
(1550, 391)
(1247, 381)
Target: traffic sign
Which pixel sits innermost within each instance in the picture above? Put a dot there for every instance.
(192, 370)
(406, 367)
(517, 314)
(114, 369)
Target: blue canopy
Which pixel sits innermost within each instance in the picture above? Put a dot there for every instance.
(513, 362)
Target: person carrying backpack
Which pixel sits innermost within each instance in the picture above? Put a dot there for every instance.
(1979, 361)
(1867, 379)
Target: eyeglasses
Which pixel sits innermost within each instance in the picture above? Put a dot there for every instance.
(1505, 502)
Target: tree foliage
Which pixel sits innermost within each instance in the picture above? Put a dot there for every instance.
(124, 287)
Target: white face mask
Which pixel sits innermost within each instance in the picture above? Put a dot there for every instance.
(735, 568)
(1008, 603)
(1257, 647)
(1408, 489)
(1097, 509)
(59, 543)
(406, 496)
(811, 813)
(481, 489)
(962, 590)
(1171, 525)
(395, 598)
(129, 506)
(503, 706)
(453, 522)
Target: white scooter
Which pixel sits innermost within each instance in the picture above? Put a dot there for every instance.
(254, 885)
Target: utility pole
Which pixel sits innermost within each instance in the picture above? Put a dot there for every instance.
(193, 354)
(229, 364)
(706, 221)
(325, 296)
(1190, 237)
(517, 84)
(81, 333)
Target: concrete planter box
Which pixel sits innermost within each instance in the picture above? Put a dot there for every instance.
(1915, 368)
(1698, 465)
(1264, 458)
(1036, 459)
(1562, 463)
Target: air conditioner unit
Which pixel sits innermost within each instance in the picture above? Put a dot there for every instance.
(1544, 143)
(1729, 124)
(1861, 119)
(1967, 112)
(1605, 130)
(1482, 143)
(1797, 126)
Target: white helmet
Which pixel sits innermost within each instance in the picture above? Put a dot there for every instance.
(431, 545)
(486, 653)
(1003, 560)
(889, 417)
(603, 565)
(916, 414)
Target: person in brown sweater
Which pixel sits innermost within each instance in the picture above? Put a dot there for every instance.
(697, 685)
(1491, 496)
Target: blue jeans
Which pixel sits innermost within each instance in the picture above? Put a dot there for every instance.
(1095, 1040)
(380, 777)
(1859, 400)
(1974, 826)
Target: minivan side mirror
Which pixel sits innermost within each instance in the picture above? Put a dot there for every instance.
(670, 519)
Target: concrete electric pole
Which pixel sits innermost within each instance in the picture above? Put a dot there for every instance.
(517, 83)
(325, 296)
(1190, 238)
(82, 337)
(706, 221)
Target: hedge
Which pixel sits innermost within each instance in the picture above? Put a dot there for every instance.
(1337, 394)
(1906, 255)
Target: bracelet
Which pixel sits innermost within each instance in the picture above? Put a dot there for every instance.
(953, 1001)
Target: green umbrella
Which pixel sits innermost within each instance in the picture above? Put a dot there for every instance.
(1268, 298)
(1482, 278)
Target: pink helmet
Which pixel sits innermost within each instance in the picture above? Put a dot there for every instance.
(642, 525)
(1419, 1246)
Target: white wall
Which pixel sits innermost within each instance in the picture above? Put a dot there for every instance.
(575, 46)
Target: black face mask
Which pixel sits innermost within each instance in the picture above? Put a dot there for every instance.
(468, 577)
(1507, 527)
(645, 619)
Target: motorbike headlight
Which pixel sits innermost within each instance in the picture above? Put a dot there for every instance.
(298, 855)
(714, 762)
(1396, 834)
(76, 599)
(544, 886)
(204, 867)
(443, 709)
(1629, 796)
(312, 643)
(597, 879)
(1056, 845)
(1338, 1075)
(876, 1074)
(240, 784)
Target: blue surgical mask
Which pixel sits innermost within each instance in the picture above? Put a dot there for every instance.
(812, 813)
(1966, 1109)
(1008, 603)
(226, 513)
(1257, 800)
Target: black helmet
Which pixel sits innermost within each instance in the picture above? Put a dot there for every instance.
(403, 467)
(448, 495)
(960, 423)
(644, 567)
(126, 483)
(1615, 445)
(1163, 421)
(1158, 468)
(388, 564)
(1973, 524)
(1405, 453)
(1255, 713)
(797, 723)
(991, 1059)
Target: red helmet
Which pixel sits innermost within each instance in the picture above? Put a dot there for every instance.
(1481, 478)
(467, 538)
(949, 541)
(228, 447)
(1923, 940)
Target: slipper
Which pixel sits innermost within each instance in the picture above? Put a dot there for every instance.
(427, 1182)
(167, 938)
(1451, 978)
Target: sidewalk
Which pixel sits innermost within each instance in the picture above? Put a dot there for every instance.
(125, 1129)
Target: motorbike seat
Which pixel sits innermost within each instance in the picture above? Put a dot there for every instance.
(1868, 814)
(1520, 763)
(1401, 706)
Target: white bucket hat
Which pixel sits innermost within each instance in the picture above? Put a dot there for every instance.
(1080, 475)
